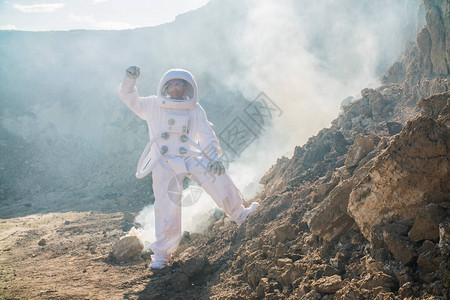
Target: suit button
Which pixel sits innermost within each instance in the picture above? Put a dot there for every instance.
(182, 150)
(165, 135)
(163, 149)
(183, 138)
(171, 121)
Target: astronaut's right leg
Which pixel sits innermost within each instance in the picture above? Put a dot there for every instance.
(167, 188)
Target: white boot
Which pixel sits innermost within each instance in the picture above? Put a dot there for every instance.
(158, 262)
(247, 211)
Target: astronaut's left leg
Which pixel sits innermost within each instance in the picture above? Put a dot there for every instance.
(222, 190)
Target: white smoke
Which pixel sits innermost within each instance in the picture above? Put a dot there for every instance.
(196, 210)
(307, 56)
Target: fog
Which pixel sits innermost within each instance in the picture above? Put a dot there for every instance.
(68, 143)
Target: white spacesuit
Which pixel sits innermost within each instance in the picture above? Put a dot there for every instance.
(182, 143)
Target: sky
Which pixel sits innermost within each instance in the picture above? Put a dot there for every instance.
(47, 15)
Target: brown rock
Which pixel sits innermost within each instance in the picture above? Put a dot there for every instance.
(289, 276)
(126, 249)
(328, 285)
(348, 292)
(406, 290)
(437, 31)
(426, 246)
(282, 262)
(395, 73)
(411, 173)
(377, 102)
(433, 106)
(360, 148)
(373, 265)
(444, 234)
(329, 219)
(394, 127)
(429, 261)
(263, 287)
(379, 279)
(329, 271)
(426, 226)
(424, 45)
(403, 276)
(256, 270)
(280, 250)
(285, 232)
(402, 249)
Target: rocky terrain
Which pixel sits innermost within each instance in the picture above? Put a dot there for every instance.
(361, 211)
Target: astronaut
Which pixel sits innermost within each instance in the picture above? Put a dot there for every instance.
(181, 143)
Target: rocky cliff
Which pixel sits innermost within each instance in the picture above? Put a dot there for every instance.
(361, 211)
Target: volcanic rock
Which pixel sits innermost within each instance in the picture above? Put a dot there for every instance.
(360, 148)
(126, 249)
(328, 285)
(426, 225)
(411, 173)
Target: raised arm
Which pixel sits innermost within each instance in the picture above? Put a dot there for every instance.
(128, 93)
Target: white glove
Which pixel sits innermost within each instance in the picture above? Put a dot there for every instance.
(132, 72)
(216, 167)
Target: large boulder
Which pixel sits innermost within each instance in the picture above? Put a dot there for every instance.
(126, 249)
(412, 172)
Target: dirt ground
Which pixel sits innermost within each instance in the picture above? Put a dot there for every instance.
(65, 256)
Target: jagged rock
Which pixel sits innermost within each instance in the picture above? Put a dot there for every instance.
(263, 287)
(429, 261)
(329, 271)
(282, 262)
(294, 272)
(426, 226)
(435, 24)
(395, 73)
(379, 279)
(403, 276)
(348, 292)
(312, 295)
(434, 106)
(402, 249)
(256, 270)
(411, 173)
(444, 234)
(338, 263)
(193, 266)
(330, 218)
(285, 232)
(280, 250)
(378, 104)
(426, 246)
(126, 249)
(373, 265)
(328, 285)
(394, 127)
(360, 148)
(424, 45)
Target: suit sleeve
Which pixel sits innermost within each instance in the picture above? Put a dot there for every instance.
(128, 93)
(207, 138)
